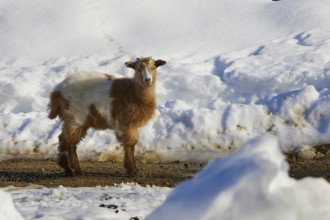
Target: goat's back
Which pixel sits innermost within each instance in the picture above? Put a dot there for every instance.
(83, 89)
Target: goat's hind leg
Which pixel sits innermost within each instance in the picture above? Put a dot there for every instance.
(63, 155)
(75, 134)
(68, 158)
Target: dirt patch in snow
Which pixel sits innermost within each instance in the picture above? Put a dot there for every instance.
(24, 172)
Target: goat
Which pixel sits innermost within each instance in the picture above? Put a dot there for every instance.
(93, 100)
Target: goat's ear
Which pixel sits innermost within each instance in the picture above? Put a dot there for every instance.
(160, 63)
(130, 64)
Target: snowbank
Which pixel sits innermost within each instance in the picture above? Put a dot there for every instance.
(251, 184)
(208, 107)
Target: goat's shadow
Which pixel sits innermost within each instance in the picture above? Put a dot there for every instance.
(35, 177)
(27, 176)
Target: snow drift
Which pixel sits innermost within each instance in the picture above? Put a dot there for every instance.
(251, 184)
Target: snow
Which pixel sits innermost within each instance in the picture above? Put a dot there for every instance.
(120, 202)
(7, 208)
(253, 183)
(236, 70)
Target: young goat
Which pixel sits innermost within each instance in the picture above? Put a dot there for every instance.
(101, 101)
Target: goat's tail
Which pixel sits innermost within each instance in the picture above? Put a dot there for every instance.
(57, 105)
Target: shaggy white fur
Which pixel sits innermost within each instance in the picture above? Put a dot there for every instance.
(84, 89)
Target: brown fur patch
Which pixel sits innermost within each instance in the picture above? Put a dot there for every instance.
(132, 106)
(95, 120)
(68, 141)
(57, 105)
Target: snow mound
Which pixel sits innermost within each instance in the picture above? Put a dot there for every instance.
(7, 208)
(251, 184)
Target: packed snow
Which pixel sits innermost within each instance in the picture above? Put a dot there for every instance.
(236, 70)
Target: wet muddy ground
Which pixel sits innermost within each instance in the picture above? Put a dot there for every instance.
(24, 172)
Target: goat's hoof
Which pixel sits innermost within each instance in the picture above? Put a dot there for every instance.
(79, 173)
(68, 173)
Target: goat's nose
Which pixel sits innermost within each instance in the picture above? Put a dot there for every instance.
(147, 80)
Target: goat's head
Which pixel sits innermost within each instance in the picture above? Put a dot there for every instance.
(145, 69)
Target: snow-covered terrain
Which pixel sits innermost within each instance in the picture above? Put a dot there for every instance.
(121, 202)
(235, 70)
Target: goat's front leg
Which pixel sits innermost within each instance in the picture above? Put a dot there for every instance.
(63, 155)
(129, 137)
(129, 161)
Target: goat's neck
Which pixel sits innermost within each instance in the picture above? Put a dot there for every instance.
(145, 94)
